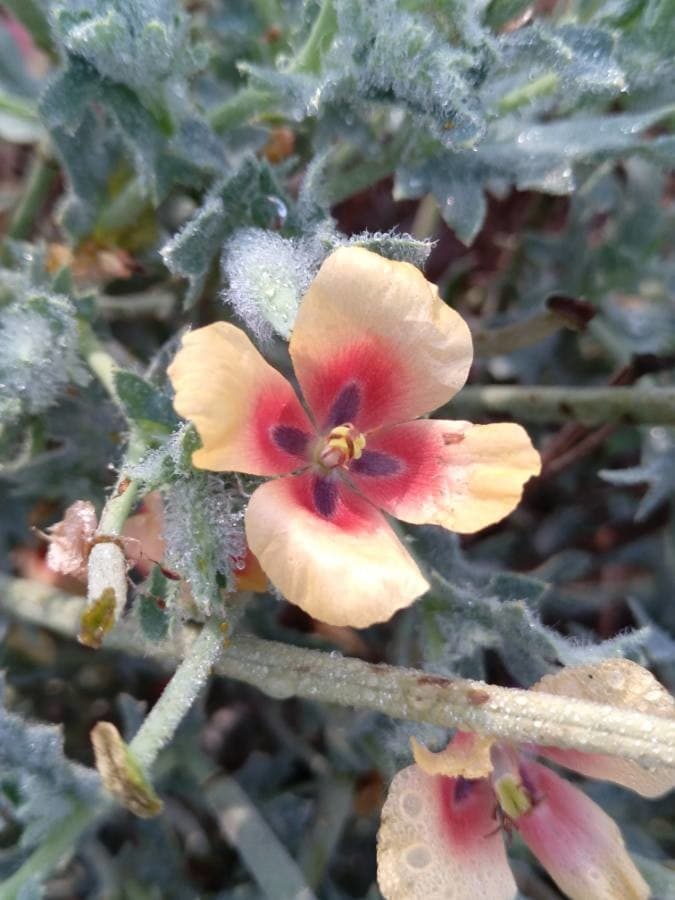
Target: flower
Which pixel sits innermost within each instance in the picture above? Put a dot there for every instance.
(373, 347)
(440, 833)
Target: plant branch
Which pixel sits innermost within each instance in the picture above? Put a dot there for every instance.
(107, 564)
(284, 671)
(560, 312)
(308, 58)
(588, 405)
(58, 845)
(155, 732)
(41, 177)
(178, 696)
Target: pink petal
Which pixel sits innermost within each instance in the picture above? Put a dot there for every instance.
(330, 552)
(373, 344)
(439, 839)
(144, 533)
(247, 415)
(576, 841)
(461, 476)
(623, 684)
(648, 783)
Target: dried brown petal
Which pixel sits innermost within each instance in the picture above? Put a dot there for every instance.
(70, 540)
(121, 775)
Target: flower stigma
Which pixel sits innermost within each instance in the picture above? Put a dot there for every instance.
(512, 796)
(343, 444)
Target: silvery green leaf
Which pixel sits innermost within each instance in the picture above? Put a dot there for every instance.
(395, 245)
(47, 783)
(39, 352)
(154, 604)
(87, 173)
(191, 251)
(538, 156)
(580, 59)
(145, 405)
(144, 46)
(472, 607)
(203, 534)
(657, 470)
(250, 196)
(387, 55)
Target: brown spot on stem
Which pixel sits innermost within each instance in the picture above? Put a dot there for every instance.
(122, 486)
(437, 680)
(476, 697)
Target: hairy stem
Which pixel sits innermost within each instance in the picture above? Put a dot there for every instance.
(41, 177)
(322, 31)
(246, 104)
(155, 732)
(58, 845)
(178, 696)
(107, 564)
(284, 671)
(588, 405)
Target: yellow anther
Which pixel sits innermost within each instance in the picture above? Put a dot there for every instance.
(343, 444)
(512, 796)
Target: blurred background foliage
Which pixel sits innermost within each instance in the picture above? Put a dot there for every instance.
(165, 164)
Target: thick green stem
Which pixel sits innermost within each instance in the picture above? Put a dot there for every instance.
(246, 104)
(98, 359)
(122, 210)
(179, 695)
(322, 31)
(586, 405)
(284, 671)
(41, 177)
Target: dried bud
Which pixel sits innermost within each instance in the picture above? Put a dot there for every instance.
(70, 540)
(121, 774)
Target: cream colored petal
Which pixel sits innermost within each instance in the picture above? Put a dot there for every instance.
(437, 842)
(626, 685)
(374, 341)
(238, 404)
(455, 474)
(345, 569)
(467, 755)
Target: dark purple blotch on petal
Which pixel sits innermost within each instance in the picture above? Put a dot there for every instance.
(375, 462)
(345, 406)
(325, 494)
(463, 787)
(290, 440)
